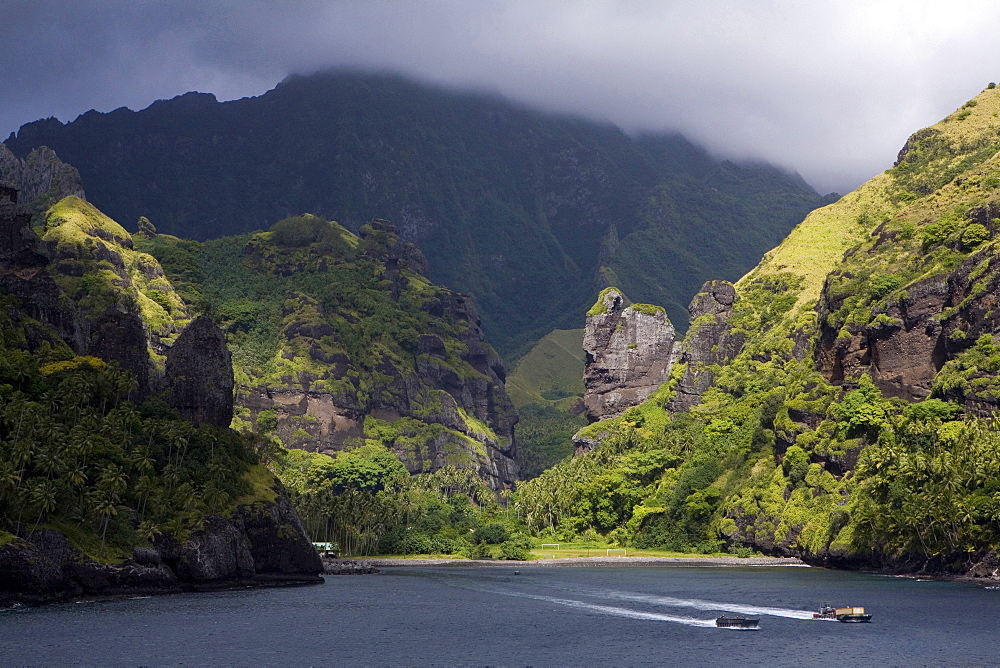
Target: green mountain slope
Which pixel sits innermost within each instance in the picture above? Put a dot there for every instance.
(525, 211)
(834, 410)
(547, 388)
(552, 372)
(338, 340)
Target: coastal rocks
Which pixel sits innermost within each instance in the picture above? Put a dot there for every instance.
(709, 341)
(277, 541)
(199, 374)
(629, 354)
(348, 567)
(261, 544)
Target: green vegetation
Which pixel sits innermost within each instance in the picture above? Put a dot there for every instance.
(547, 388)
(310, 305)
(77, 457)
(776, 457)
(366, 503)
(96, 266)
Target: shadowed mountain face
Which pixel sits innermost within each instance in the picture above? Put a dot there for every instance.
(527, 212)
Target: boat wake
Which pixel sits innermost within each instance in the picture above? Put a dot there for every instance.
(612, 610)
(700, 604)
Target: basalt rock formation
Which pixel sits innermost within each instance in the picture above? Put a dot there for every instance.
(709, 341)
(199, 374)
(41, 177)
(629, 350)
(915, 334)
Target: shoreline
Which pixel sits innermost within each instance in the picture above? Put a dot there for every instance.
(584, 562)
(369, 565)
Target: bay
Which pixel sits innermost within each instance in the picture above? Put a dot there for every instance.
(582, 616)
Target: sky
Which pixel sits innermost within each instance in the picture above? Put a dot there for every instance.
(829, 89)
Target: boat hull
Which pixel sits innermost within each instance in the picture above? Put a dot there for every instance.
(737, 622)
(854, 619)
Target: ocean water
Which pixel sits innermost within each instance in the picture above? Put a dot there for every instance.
(551, 616)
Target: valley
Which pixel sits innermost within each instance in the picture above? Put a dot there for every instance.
(264, 376)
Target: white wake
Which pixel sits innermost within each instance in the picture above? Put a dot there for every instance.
(612, 610)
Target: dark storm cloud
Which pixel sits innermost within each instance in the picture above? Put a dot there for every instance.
(830, 89)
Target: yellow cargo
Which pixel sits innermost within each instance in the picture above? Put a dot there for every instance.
(850, 611)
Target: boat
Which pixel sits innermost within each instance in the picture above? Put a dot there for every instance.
(850, 614)
(737, 622)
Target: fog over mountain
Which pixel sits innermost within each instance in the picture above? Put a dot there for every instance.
(830, 90)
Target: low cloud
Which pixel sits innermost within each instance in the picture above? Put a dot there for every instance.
(831, 90)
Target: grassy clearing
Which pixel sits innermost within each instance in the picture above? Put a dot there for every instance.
(568, 550)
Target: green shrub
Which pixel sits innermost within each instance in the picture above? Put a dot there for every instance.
(932, 409)
(512, 551)
(974, 235)
(795, 464)
(492, 534)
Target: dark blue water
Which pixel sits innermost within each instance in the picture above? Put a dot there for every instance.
(544, 616)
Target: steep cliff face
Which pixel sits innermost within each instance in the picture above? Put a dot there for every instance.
(199, 374)
(127, 311)
(89, 452)
(629, 350)
(710, 341)
(41, 177)
(341, 340)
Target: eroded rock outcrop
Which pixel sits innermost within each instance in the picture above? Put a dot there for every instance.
(455, 402)
(902, 350)
(910, 339)
(42, 178)
(199, 374)
(710, 340)
(629, 354)
(431, 390)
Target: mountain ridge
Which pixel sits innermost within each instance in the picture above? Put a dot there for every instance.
(509, 204)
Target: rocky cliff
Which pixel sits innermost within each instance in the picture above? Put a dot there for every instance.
(342, 340)
(710, 342)
(630, 349)
(76, 454)
(199, 374)
(41, 177)
(263, 544)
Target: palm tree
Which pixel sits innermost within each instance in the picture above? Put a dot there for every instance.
(43, 496)
(106, 505)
